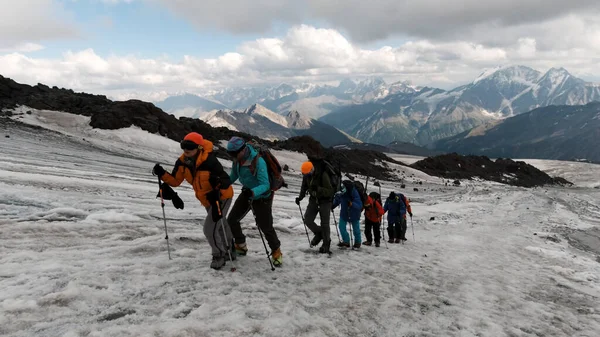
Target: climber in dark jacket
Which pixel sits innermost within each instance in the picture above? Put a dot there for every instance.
(317, 183)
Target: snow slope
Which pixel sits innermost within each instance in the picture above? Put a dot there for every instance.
(83, 253)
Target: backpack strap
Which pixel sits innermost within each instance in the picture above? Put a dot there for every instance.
(253, 165)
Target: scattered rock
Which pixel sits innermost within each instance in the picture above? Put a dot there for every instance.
(456, 183)
(416, 189)
(424, 255)
(7, 136)
(534, 233)
(432, 218)
(552, 238)
(116, 315)
(403, 186)
(420, 183)
(286, 167)
(28, 112)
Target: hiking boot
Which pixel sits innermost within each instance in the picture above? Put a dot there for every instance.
(316, 240)
(376, 244)
(397, 241)
(277, 257)
(344, 245)
(356, 245)
(241, 249)
(367, 243)
(325, 247)
(391, 241)
(404, 239)
(217, 262)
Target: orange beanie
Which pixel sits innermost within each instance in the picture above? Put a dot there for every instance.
(194, 137)
(307, 167)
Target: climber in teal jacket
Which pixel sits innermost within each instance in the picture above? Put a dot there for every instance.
(256, 195)
(252, 172)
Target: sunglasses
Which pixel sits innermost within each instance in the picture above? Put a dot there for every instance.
(188, 145)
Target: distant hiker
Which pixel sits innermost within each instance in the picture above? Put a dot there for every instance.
(256, 196)
(397, 205)
(350, 210)
(317, 183)
(199, 166)
(373, 215)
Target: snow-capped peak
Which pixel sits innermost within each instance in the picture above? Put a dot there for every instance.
(506, 74)
(403, 87)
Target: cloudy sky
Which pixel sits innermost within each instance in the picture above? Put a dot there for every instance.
(150, 48)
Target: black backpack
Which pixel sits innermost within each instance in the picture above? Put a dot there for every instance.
(375, 196)
(335, 176)
(360, 188)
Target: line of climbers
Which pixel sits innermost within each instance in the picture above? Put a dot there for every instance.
(260, 175)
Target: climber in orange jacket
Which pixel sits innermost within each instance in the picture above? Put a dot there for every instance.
(199, 166)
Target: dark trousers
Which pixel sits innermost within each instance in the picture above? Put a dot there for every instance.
(324, 210)
(264, 219)
(376, 227)
(397, 230)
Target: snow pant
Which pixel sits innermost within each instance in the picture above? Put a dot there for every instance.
(375, 226)
(324, 209)
(397, 229)
(355, 230)
(264, 219)
(213, 231)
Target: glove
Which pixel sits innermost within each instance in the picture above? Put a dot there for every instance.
(177, 202)
(298, 200)
(158, 170)
(247, 193)
(214, 212)
(410, 213)
(349, 203)
(214, 181)
(213, 196)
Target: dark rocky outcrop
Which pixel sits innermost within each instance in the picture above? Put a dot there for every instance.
(506, 171)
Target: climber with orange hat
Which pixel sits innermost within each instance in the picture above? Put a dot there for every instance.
(317, 183)
(199, 166)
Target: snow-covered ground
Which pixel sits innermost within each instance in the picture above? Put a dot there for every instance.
(83, 253)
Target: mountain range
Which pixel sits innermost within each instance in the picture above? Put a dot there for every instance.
(376, 112)
(553, 132)
(311, 100)
(429, 114)
(264, 123)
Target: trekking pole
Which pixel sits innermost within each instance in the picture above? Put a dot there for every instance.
(228, 243)
(351, 236)
(162, 204)
(305, 229)
(413, 228)
(336, 226)
(262, 238)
